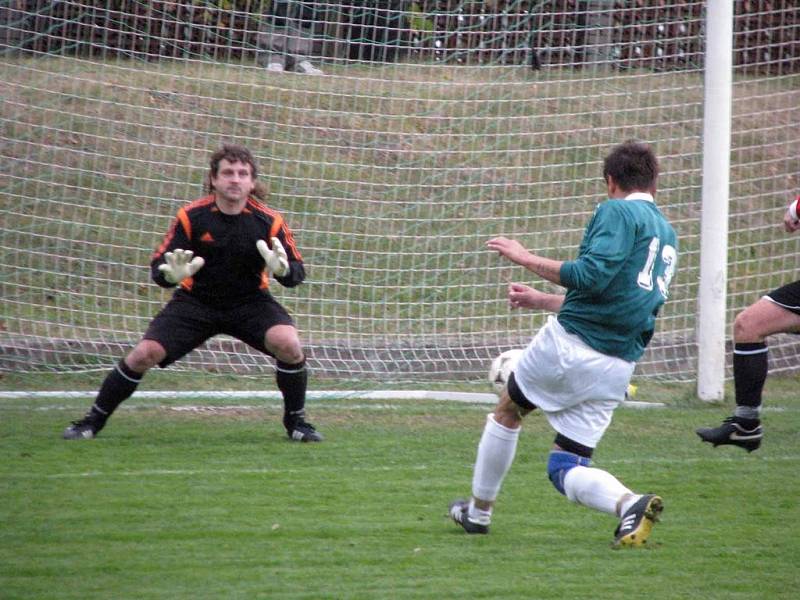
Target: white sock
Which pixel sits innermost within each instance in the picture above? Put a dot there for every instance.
(624, 506)
(478, 515)
(594, 488)
(495, 454)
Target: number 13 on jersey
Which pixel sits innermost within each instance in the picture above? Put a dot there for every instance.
(667, 257)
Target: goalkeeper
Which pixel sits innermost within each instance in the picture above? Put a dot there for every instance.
(219, 252)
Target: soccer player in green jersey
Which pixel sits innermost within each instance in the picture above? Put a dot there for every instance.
(578, 366)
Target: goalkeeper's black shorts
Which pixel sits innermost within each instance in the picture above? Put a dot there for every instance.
(186, 322)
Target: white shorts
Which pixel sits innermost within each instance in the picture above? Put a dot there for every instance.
(575, 386)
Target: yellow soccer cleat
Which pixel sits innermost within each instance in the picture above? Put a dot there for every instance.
(636, 524)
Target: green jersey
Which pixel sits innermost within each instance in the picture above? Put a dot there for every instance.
(620, 278)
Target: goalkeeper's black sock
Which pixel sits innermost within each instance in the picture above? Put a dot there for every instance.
(117, 387)
(750, 367)
(292, 381)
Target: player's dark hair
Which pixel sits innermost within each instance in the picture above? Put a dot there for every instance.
(633, 165)
(233, 153)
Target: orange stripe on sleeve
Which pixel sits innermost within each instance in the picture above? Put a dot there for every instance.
(169, 237)
(187, 225)
(277, 223)
(290, 242)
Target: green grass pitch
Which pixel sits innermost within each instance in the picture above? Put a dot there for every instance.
(215, 502)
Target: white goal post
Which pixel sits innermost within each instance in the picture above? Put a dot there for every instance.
(433, 126)
(716, 194)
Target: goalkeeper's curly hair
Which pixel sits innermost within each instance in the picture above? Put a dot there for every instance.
(233, 153)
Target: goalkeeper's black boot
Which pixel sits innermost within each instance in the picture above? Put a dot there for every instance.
(459, 512)
(87, 427)
(733, 432)
(300, 430)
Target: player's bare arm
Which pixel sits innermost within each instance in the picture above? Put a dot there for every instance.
(546, 268)
(523, 296)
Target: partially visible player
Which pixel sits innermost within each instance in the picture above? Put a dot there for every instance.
(777, 312)
(577, 368)
(220, 252)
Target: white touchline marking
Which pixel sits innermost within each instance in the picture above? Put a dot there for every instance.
(433, 395)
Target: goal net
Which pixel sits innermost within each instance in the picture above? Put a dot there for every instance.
(432, 127)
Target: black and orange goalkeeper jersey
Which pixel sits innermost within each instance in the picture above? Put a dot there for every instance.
(234, 269)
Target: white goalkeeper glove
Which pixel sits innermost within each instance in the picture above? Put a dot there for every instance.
(276, 259)
(180, 265)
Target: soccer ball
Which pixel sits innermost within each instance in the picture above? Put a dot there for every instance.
(501, 368)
